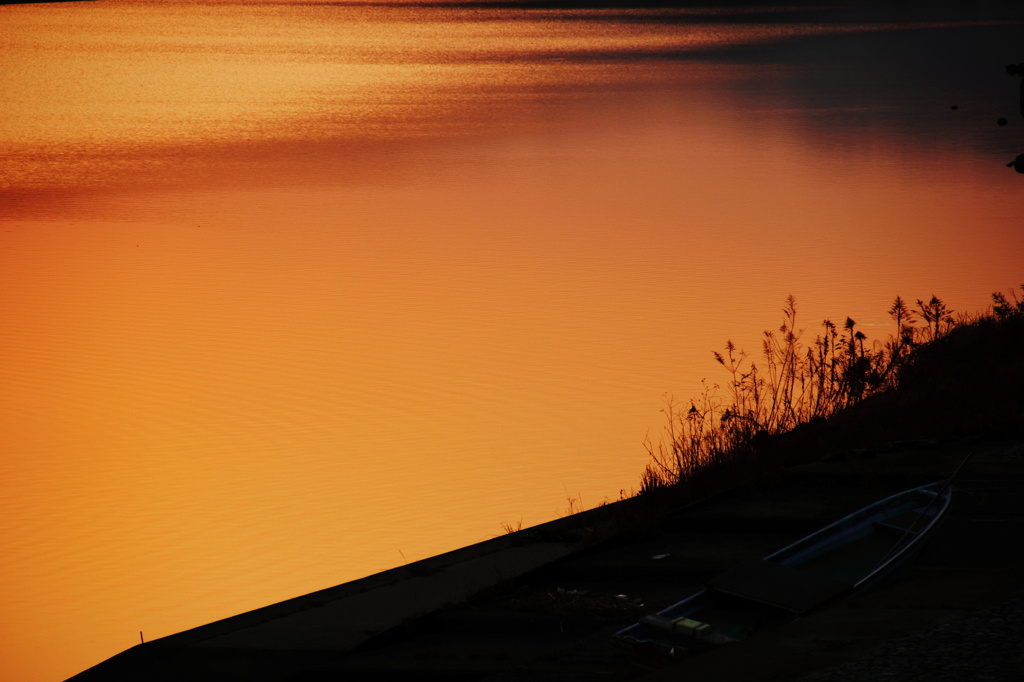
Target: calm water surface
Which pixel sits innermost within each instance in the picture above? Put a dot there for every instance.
(296, 292)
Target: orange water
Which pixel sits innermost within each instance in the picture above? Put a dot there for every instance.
(295, 293)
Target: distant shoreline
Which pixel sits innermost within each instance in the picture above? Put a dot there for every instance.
(39, 2)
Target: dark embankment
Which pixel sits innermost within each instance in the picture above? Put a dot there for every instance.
(844, 395)
(969, 382)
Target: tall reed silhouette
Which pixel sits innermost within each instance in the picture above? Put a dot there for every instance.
(793, 384)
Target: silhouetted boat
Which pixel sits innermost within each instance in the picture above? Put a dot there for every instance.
(844, 557)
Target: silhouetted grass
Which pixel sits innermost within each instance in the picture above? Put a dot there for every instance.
(950, 375)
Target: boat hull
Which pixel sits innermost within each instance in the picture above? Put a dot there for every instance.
(847, 556)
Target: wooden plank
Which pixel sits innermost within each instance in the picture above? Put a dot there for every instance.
(779, 586)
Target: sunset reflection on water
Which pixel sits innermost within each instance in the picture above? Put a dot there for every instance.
(295, 293)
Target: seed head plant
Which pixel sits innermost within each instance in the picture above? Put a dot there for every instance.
(793, 384)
